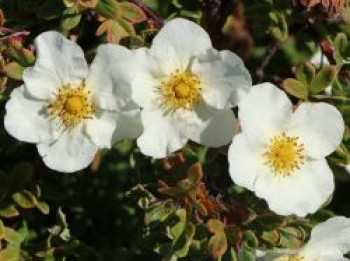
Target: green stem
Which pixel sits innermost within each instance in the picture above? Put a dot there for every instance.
(332, 98)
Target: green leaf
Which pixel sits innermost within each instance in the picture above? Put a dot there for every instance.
(177, 4)
(70, 19)
(107, 8)
(305, 73)
(25, 199)
(162, 7)
(279, 29)
(116, 30)
(233, 255)
(133, 41)
(127, 26)
(195, 174)
(10, 253)
(14, 70)
(271, 236)
(9, 212)
(324, 78)
(182, 214)
(2, 230)
(295, 88)
(43, 207)
(131, 12)
(290, 238)
(268, 222)
(250, 239)
(215, 226)
(20, 54)
(345, 111)
(340, 44)
(194, 177)
(218, 244)
(12, 236)
(183, 243)
(247, 255)
(340, 41)
(177, 229)
(23, 231)
(160, 212)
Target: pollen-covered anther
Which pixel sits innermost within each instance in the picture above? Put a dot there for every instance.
(182, 90)
(284, 155)
(72, 105)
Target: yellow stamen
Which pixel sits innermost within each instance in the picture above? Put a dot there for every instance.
(290, 258)
(182, 90)
(284, 155)
(72, 105)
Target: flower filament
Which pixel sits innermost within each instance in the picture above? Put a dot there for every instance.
(284, 155)
(182, 90)
(72, 105)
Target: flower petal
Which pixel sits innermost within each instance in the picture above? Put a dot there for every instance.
(129, 126)
(264, 112)
(161, 135)
(70, 152)
(147, 79)
(301, 193)
(178, 41)
(244, 162)
(326, 255)
(101, 128)
(202, 126)
(26, 119)
(59, 61)
(274, 254)
(329, 238)
(224, 78)
(110, 76)
(41, 84)
(320, 127)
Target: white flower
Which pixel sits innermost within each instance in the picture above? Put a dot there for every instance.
(280, 155)
(347, 168)
(186, 89)
(329, 241)
(319, 59)
(68, 110)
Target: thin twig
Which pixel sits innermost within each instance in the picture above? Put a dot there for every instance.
(269, 53)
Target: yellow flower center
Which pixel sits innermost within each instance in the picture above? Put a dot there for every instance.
(290, 258)
(72, 105)
(284, 155)
(182, 90)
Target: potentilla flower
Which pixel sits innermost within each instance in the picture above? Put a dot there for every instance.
(186, 89)
(329, 241)
(280, 154)
(69, 110)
